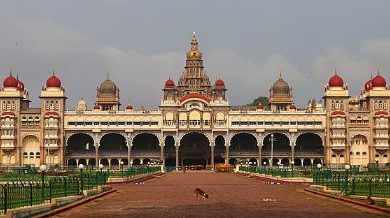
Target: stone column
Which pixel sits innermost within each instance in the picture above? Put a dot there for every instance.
(177, 157)
(129, 143)
(97, 155)
(162, 154)
(212, 157)
(227, 154)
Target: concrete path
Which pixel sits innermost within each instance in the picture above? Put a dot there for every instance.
(230, 195)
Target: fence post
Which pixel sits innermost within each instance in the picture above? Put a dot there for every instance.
(353, 187)
(65, 191)
(31, 193)
(5, 197)
(50, 187)
(370, 188)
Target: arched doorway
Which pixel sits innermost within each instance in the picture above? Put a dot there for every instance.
(243, 145)
(80, 144)
(30, 148)
(219, 150)
(194, 149)
(170, 151)
(309, 144)
(145, 144)
(281, 147)
(113, 145)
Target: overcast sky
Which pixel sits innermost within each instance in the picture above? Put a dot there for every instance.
(142, 43)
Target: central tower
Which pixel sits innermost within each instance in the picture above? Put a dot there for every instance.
(194, 79)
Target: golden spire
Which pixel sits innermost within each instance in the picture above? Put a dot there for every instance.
(194, 53)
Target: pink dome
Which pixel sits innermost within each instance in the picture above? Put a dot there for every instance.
(219, 83)
(378, 81)
(169, 83)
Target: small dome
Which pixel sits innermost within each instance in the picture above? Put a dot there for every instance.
(82, 105)
(96, 107)
(108, 87)
(378, 81)
(368, 85)
(260, 107)
(219, 82)
(53, 82)
(336, 81)
(281, 88)
(169, 83)
(129, 107)
(20, 86)
(292, 107)
(10, 82)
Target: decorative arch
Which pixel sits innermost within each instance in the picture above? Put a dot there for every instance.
(281, 142)
(145, 142)
(243, 141)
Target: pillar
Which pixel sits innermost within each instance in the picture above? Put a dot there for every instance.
(97, 162)
(129, 143)
(259, 157)
(212, 157)
(227, 154)
(177, 157)
(162, 154)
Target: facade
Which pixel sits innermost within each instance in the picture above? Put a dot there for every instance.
(195, 124)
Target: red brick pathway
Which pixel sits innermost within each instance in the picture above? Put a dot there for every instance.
(229, 196)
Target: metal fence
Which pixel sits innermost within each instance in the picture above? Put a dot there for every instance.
(131, 172)
(19, 193)
(306, 172)
(354, 183)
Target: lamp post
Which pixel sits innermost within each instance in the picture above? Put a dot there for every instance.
(101, 172)
(292, 168)
(43, 168)
(347, 167)
(81, 167)
(319, 166)
(272, 149)
(121, 163)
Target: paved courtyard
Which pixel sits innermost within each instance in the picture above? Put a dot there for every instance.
(230, 195)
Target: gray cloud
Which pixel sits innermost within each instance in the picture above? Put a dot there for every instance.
(82, 63)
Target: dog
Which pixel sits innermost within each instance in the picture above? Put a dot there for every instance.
(370, 201)
(198, 192)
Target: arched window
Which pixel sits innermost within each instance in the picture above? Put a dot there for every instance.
(31, 154)
(38, 155)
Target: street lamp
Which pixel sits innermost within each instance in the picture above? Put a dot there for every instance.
(272, 149)
(81, 167)
(121, 163)
(43, 168)
(101, 172)
(347, 167)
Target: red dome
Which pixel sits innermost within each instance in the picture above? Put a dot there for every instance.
(338, 113)
(96, 107)
(53, 81)
(260, 106)
(194, 95)
(378, 81)
(219, 83)
(368, 85)
(169, 83)
(292, 107)
(129, 107)
(10, 82)
(336, 81)
(20, 86)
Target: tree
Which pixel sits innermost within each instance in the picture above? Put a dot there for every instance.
(260, 100)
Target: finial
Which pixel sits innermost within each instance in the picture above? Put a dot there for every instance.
(379, 72)
(108, 75)
(53, 72)
(335, 71)
(280, 74)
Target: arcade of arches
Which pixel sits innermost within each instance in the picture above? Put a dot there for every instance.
(194, 148)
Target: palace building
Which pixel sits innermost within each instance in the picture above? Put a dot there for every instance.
(195, 124)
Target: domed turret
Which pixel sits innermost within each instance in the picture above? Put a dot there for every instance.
(368, 85)
(292, 107)
(108, 87)
(129, 107)
(219, 83)
(81, 105)
(10, 82)
(169, 84)
(53, 82)
(378, 81)
(336, 81)
(280, 95)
